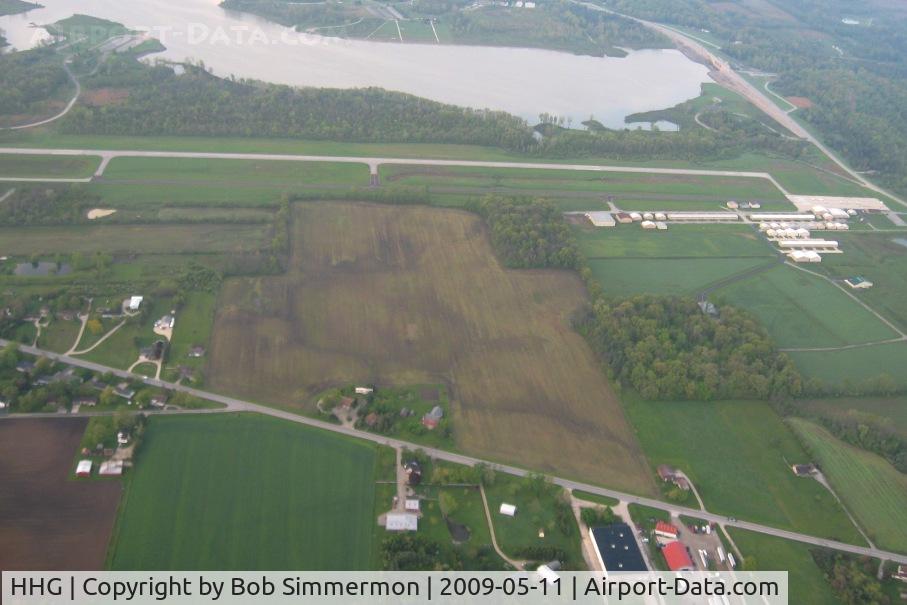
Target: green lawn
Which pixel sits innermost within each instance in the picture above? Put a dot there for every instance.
(535, 511)
(806, 582)
(122, 348)
(194, 321)
(855, 366)
(630, 276)
(803, 310)
(873, 490)
(50, 166)
(738, 454)
(59, 336)
(679, 241)
(244, 492)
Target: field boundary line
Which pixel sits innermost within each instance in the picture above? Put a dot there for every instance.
(235, 405)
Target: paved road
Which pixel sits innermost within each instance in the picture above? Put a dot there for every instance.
(233, 404)
(372, 162)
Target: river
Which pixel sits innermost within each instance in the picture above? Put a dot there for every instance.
(525, 82)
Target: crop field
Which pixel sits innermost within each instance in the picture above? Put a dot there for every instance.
(803, 310)
(50, 166)
(871, 488)
(886, 413)
(855, 366)
(414, 295)
(680, 241)
(806, 581)
(246, 492)
(134, 239)
(48, 520)
(738, 455)
(691, 188)
(668, 276)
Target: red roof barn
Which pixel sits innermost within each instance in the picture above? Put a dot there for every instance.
(676, 557)
(666, 530)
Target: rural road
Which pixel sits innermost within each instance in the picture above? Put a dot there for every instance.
(372, 162)
(66, 109)
(233, 404)
(724, 74)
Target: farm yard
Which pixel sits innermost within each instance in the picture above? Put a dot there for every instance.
(47, 520)
(738, 455)
(237, 481)
(414, 295)
(873, 490)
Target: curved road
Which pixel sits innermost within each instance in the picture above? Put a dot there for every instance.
(66, 109)
(233, 404)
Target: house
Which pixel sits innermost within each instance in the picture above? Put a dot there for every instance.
(26, 367)
(432, 418)
(804, 470)
(858, 283)
(85, 401)
(111, 468)
(401, 522)
(672, 475)
(197, 351)
(123, 390)
(708, 308)
(413, 472)
(666, 530)
(165, 323)
(900, 573)
(364, 390)
(412, 505)
(677, 557)
(616, 548)
(134, 302)
(159, 401)
(122, 438)
(83, 469)
(508, 510)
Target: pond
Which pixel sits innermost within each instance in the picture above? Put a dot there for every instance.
(41, 269)
(525, 82)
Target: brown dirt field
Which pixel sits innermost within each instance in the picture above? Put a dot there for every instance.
(104, 96)
(801, 102)
(409, 295)
(47, 520)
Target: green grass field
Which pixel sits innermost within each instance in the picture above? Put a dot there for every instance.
(535, 511)
(680, 241)
(803, 310)
(629, 276)
(134, 239)
(50, 166)
(806, 582)
(872, 490)
(59, 335)
(888, 413)
(245, 492)
(738, 455)
(192, 170)
(855, 366)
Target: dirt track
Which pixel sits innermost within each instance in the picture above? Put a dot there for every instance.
(48, 521)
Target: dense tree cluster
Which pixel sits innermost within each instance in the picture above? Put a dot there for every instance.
(855, 74)
(197, 103)
(667, 348)
(45, 206)
(29, 77)
(528, 233)
(853, 579)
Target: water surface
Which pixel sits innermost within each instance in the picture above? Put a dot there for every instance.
(525, 82)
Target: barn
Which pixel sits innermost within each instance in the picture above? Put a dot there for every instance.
(83, 469)
(677, 557)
